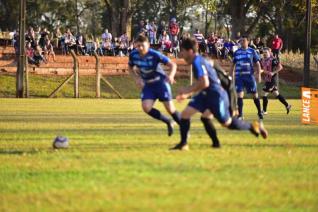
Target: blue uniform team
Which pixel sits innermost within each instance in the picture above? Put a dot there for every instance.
(243, 73)
(144, 63)
(210, 99)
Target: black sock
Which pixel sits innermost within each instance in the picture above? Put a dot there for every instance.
(282, 100)
(211, 131)
(240, 106)
(258, 105)
(265, 103)
(238, 124)
(176, 117)
(157, 115)
(184, 130)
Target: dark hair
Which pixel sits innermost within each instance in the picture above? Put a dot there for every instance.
(142, 38)
(189, 43)
(245, 36)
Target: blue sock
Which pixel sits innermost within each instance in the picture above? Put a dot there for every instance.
(184, 130)
(239, 125)
(240, 106)
(157, 115)
(176, 117)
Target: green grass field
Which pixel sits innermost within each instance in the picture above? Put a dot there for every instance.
(118, 160)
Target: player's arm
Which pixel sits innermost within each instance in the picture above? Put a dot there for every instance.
(173, 70)
(278, 68)
(134, 72)
(199, 85)
(259, 71)
(232, 71)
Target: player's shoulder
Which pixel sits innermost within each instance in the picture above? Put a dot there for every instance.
(134, 52)
(152, 51)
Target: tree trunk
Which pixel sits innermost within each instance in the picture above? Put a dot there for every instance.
(236, 9)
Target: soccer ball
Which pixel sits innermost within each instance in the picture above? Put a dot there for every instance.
(60, 142)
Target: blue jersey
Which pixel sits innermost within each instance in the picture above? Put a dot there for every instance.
(244, 60)
(149, 64)
(202, 67)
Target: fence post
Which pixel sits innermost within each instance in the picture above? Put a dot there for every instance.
(26, 78)
(97, 76)
(76, 73)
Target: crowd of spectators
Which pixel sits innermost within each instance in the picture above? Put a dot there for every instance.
(41, 44)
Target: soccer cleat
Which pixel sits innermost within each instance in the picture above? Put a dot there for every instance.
(216, 145)
(240, 117)
(260, 116)
(170, 128)
(262, 130)
(259, 129)
(181, 147)
(288, 108)
(264, 112)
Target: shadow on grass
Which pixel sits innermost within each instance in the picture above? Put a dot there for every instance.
(18, 152)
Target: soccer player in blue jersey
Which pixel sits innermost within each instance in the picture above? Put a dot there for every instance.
(210, 99)
(242, 72)
(144, 64)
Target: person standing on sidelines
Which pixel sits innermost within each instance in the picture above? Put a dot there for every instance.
(271, 66)
(210, 99)
(242, 72)
(144, 64)
(277, 45)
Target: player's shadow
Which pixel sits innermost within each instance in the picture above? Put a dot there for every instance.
(18, 152)
(273, 145)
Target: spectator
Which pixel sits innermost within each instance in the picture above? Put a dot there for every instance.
(37, 34)
(212, 39)
(141, 28)
(81, 45)
(44, 35)
(161, 28)
(228, 50)
(124, 39)
(57, 38)
(48, 50)
(107, 35)
(38, 56)
(30, 37)
(165, 42)
(277, 45)
(70, 42)
(29, 51)
(201, 41)
(107, 48)
(152, 33)
(259, 45)
(174, 29)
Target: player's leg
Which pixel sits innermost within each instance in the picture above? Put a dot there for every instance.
(219, 108)
(266, 90)
(240, 95)
(166, 97)
(206, 119)
(186, 115)
(147, 106)
(251, 87)
(265, 102)
(282, 100)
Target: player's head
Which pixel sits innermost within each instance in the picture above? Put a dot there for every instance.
(142, 44)
(244, 41)
(267, 52)
(188, 49)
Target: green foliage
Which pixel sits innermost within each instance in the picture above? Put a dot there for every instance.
(119, 161)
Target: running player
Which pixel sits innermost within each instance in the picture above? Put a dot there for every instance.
(271, 66)
(210, 98)
(144, 63)
(242, 72)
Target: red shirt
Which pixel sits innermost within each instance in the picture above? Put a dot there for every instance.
(277, 43)
(174, 29)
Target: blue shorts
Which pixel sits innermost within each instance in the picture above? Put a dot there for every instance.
(157, 90)
(218, 105)
(246, 81)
